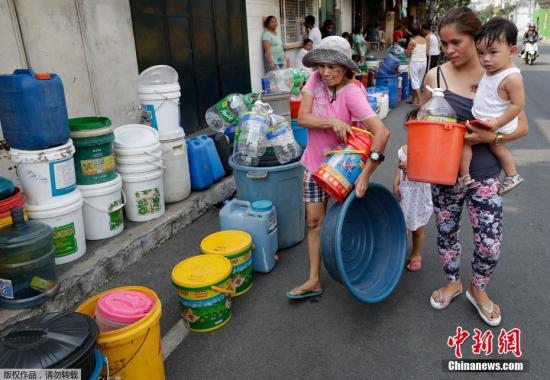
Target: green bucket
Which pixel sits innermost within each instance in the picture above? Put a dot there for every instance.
(93, 139)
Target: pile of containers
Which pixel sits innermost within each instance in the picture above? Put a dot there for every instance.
(10, 197)
(35, 124)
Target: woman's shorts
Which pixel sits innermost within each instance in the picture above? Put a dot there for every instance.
(312, 192)
(417, 71)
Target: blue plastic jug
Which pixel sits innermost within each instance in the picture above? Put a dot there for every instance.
(300, 134)
(33, 112)
(405, 93)
(392, 83)
(205, 166)
(259, 219)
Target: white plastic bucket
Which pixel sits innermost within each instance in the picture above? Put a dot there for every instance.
(47, 175)
(177, 181)
(383, 105)
(372, 64)
(102, 209)
(144, 195)
(159, 94)
(132, 139)
(67, 223)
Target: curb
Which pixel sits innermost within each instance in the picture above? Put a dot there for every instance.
(104, 260)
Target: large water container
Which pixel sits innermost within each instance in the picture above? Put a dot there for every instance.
(282, 185)
(27, 263)
(33, 110)
(391, 82)
(405, 93)
(205, 165)
(390, 64)
(259, 219)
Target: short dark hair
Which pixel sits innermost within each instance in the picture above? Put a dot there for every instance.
(307, 41)
(415, 29)
(310, 20)
(498, 29)
(268, 20)
(463, 19)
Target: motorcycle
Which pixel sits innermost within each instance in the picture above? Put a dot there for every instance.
(531, 50)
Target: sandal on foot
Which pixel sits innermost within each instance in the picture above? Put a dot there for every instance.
(415, 264)
(303, 294)
(487, 319)
(509, 183)
(438, 305)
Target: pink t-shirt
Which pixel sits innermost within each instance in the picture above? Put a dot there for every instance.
(351, 104)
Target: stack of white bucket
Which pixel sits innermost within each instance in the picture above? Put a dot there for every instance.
(139, 161)
(49, 183)
(159, 93)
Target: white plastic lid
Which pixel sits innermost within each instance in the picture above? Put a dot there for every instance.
(160, 75)
(171, 134)
(135, 136)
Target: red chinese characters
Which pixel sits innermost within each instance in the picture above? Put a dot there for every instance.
(510, 341)
(457, 340)
(483, 342)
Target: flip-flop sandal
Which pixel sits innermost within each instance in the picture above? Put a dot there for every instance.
(490, 321)
(438, 305)
(415, 264)
(300, 296)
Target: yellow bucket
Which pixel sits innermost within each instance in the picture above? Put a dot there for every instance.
(237, 247)
(135, 351)
(204, 289)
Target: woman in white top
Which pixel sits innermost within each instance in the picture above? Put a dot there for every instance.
(416, 49)
(433, 46)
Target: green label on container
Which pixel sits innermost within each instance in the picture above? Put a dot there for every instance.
(96, 166)
(206, 315)
(64, 239)
(242, 277)
(148, 201)
(115, 217)
(225, 112)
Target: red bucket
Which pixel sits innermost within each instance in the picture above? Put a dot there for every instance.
(434, 150)
(338, 172)
(16, 200)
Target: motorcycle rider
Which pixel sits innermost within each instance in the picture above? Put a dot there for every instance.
(530, 35)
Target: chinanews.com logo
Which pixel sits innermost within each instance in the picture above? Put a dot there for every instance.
(507, 347)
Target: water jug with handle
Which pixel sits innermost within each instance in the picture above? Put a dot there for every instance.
(228, 111)
(259, 219)
(33, 111)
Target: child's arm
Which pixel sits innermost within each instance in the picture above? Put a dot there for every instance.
(396, 182)
(513, 86)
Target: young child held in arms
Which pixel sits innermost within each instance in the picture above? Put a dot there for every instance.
(415, 199)
(499, 97)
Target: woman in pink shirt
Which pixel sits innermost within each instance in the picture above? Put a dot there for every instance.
(330, 102)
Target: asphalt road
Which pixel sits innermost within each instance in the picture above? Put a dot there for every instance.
(336, 336)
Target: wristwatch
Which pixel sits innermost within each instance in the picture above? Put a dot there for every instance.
(499, 139)
(376, 156)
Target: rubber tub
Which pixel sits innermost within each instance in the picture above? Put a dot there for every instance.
(363, 243)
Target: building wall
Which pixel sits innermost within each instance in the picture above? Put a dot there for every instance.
(544, 21)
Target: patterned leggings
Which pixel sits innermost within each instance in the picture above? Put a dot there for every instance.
(485, 210)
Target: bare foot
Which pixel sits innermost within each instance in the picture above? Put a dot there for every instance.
(415, 263)
(484, 301)
(444, 295)
(308, 286)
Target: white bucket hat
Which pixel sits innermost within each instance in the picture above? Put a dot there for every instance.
(333, 50)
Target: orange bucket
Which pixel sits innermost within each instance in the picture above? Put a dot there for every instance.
(338, 172)
(434, 150)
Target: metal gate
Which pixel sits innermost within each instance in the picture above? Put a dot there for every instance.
(204, 40)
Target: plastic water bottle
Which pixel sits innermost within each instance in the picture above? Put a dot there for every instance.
(284, 80)
(250, 139)
(437, 108)
(281, 139)
(228, 111)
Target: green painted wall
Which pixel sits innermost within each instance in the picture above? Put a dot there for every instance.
(543, 25)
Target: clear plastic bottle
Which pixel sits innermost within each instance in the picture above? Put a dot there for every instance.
(437, 108)
(281, 139)
(250, 139)
(228, 111)
(284, 80)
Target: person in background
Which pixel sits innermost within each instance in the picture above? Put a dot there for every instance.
(327, 29)
(274, 54)
(417, 67)
(531, 33)
(433, 46)
(313, 32)
(348, 38)
(330, 101)
(359, 43)
(306, 47)
(381, 37)
(397, 34)
(415, 199)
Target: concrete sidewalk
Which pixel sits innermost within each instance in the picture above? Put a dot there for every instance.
(106, 258)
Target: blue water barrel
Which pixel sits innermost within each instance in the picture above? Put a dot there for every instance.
(205, 166)
(405, 92)
(33, 112)
(300, 134)
(392, 83)
(390, 64)
(364, 242)
(282, 185)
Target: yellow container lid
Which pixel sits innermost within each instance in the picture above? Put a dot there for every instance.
(226, 243)
(201, 271)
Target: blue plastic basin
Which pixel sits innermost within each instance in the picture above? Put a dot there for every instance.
(99, 364)
(364, 243)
